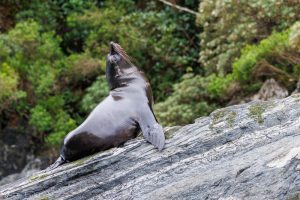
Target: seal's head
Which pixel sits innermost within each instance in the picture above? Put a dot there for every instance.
(117, 57)
(118, 64)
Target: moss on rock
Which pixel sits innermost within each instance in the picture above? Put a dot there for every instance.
(256, 111)
(228, 115)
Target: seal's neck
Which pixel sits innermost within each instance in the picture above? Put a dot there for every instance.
(119, 67)
(119, 76)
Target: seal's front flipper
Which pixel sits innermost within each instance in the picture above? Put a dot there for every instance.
(57, 163)
(155, 135)
(152, 131)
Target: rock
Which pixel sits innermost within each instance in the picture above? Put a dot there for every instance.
(297, 90)
(249, 151)
(271, 90)
(33, 166)
(15, 150)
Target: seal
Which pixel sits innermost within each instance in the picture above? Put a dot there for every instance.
(120, 116)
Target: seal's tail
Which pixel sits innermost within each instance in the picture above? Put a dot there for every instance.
(58, 162)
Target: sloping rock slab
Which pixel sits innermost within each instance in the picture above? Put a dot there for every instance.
(249, 151)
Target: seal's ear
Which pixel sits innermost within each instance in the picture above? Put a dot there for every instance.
(152, 131)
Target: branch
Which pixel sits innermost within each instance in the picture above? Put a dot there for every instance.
(178, 7)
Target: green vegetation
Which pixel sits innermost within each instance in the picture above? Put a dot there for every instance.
(52, 57)
(83, 160)
(251, 55)
(223, 114)
(8, 84)
(231, 118)
(38, 177)
(230, 25)
(95, 94)
(44, 198)
(256, 111)
(196, 96)
(169, 132)
(192, 97)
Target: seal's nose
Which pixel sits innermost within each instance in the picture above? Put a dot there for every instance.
(112, 50)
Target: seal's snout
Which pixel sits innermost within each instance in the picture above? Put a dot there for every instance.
(112, 47)
(113, 56)
(116, 54)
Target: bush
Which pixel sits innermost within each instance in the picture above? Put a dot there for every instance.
(8, 84)
(35, 55)
(229, 25)
(154, 37)
(193, 97)
(294, 38)
(41, 119)
(217, 87)
(83, 67)
(95, 94)
(252, 54)
(63, 124)
(32, 63)
(51, 58)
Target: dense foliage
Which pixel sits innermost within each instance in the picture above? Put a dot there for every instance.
(52, 56)
(277, 56)
(160, 41)
(192, 97)
(33, 63)
(229, 25)
(239, 49)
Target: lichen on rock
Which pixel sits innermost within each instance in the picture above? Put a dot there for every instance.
(224, 114)
(257, 109)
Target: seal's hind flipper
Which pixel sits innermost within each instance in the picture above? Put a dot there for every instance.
(152, 131)
(57, 163)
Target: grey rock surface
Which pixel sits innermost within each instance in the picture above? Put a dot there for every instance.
(249, 151)
(15, 150)
(271, 90)
(32, 167)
